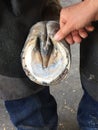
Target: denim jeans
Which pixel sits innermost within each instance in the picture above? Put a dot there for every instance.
(88, 113)
(39, 112)
(36, 112)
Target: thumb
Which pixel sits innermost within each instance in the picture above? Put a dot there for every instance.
(62, 33)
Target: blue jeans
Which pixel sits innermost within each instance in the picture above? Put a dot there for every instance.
(88, 113)
(36, 112)
(39, 112)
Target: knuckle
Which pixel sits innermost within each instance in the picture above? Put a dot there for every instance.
(61, 13)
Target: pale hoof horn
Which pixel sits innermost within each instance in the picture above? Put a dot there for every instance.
(44, 60)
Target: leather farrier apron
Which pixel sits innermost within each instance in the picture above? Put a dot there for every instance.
(16, 18)
(89, 63)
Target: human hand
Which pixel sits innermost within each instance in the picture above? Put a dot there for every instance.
(75, 19)
(76, 36)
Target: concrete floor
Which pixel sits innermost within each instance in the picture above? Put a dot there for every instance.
(67, 94)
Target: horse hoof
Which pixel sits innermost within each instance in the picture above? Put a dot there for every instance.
(44, 60)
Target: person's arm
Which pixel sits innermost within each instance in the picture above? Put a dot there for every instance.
(75, 21)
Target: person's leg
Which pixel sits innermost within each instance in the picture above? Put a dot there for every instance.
(88, 113)
(88, 107)
(36, 112)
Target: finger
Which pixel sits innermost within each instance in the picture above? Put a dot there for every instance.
(62, 22)
(62, 19)
(63, 32)
(69, 39)
(89, 28)
(76, 37)
(83, 33)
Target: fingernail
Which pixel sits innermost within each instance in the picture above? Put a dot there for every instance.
(57, 37)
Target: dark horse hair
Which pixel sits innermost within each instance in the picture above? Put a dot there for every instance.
(17, 16)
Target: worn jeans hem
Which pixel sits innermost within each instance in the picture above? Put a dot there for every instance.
(38, 128)
(88, 128)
